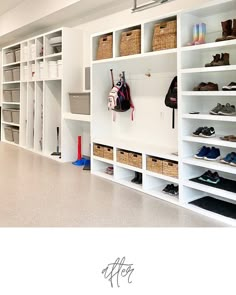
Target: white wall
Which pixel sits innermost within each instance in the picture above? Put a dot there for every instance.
(126, 18)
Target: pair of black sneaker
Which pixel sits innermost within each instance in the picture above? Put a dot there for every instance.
(171, 190)
(138, 179)
(210, 177)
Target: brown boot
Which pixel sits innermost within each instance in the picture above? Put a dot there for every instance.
(233, 35)
(216, 59)
(226, 30)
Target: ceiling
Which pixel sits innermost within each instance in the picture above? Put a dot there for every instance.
(6, 5)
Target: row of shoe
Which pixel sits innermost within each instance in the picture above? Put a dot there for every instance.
(171, 190)
(210, 86)
(109, 170)
(225, 110)
(229, 159)
(138, 178)
(231, 138)
(210, 177)
(204, 132)
(219, 60)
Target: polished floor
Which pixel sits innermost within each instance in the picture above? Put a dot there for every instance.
(39, 192)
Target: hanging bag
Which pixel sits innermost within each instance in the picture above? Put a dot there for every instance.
(171, 99)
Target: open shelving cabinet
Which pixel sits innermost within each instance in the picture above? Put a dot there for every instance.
(149, 74)
(47, 75)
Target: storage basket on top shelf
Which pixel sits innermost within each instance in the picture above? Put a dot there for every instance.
(105, 45)
(135, 160)
(108, 152)
(98, 150)
(122, 156)
(165, 36)
(130, 42)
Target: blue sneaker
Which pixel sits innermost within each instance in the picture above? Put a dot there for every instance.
(228, 158)
(202, 152)
(233, 162)
(213, 155)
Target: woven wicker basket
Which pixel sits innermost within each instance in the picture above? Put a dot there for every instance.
(135, 160)
(98, 150)
(170, 168)
(130, 42)
(122, 156)
(104, 47)
(164, 36)
(154, 164)
(108, 152)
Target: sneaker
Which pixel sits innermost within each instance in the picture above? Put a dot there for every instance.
(174, 191)
(216, 109)
(228, 110)
(168, 188)
(205, 176)
(228, 158)
(214, 178)
(208, 132)
(198, 131)
(209, 87)
(202, 152)
(213, 155)
(233, 162)
(230, 87)
(198, 87)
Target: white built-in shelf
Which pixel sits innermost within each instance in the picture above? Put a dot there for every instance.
(214, 165)
(11, 82)
(160, 53)
(214, 141)
(50, 79)
(210, 190)
(209, 69)
(11, 103)
(157, 192)
(139, 147)
(103, 174)
(11, 124)
(129, 167)
(77, 117)
(210, 117)
(162, 176)
(209, 93)
(10, 142)
(53, 55)
(39, 57)
(12, 64)
(211, 214)
(213, 45)
(103, 160)
(127, 182)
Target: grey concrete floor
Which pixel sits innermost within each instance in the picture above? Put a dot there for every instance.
(38, 192)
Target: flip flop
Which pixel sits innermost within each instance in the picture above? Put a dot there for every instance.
(227, 137)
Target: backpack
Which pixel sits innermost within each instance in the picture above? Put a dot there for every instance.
(171, 99)
(119, 99)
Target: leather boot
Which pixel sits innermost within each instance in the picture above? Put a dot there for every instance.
(224, 61)
(135, 179)
(226, 30)
(233, 35)
(216, 59)
(140, 179)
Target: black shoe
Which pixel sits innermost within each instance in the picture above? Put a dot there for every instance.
(140, 178)
(168, 188)
(205, 176)
(174, 191)
(136, 177)
(199, 131)
(214, 179)
(208, 132)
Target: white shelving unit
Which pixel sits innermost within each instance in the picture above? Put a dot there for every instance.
(151, 132)
(44, 92)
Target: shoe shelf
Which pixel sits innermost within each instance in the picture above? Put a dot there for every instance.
(209, 69)
(104, 175)
(209, 93)
(77, 117)
(210, 190)
(103, 160)
(210, 117)
(215, 46)
(127, 182)
(157, 192)
(214, 141)
(214, 165)
(11, 124)
(162, 176)
(129, 167)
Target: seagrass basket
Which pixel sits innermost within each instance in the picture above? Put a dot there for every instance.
(104, 50)
(164, 36)
(130, 42)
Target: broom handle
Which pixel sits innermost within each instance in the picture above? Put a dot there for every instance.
(57, 139)
(112, 77)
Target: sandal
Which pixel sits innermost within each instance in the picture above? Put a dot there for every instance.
(227, 137)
